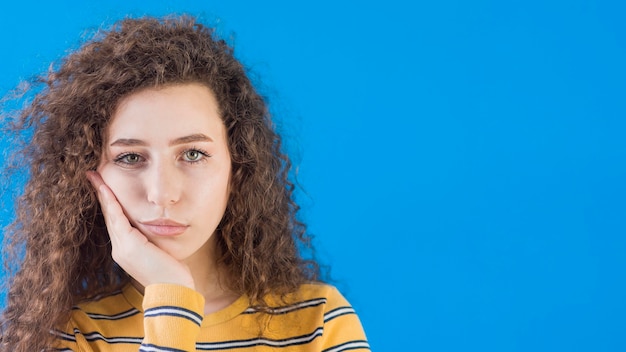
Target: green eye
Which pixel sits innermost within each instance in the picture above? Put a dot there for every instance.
(132, 158)
(129, 160)
(192, 155)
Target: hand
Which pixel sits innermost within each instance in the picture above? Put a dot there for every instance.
(131, 250)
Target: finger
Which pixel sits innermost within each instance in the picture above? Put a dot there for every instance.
(116, 220)
(152, 265)
(95, 178)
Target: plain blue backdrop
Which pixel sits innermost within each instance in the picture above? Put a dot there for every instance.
(462, 162)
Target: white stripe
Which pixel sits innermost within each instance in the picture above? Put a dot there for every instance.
(113, 317)
(261, 341)
(64, 335)
(337, 312)
(290, 308)
(97, 336)
(351, 345)
(157, 311)
(154, 349)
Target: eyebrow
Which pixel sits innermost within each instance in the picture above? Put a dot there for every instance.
(130, 142)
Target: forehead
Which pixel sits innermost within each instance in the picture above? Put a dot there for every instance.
(166, 112)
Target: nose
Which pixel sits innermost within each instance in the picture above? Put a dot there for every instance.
(163, 185)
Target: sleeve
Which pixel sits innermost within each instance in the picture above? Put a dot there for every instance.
(172, 318)
(342, 328)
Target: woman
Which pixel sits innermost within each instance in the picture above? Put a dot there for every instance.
(158, 215)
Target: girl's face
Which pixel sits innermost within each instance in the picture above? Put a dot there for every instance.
(166, 159)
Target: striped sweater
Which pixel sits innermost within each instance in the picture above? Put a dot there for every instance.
(170, 318)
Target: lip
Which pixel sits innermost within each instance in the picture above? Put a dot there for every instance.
(164, 227)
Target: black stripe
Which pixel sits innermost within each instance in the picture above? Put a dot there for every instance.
(118, 316)
(150, 311)
(160, 348)
(280, 343)
(63, 335)
(349, 310)
(96, 336)
(176, 315)
(348, 348)
(99, 297)
(289, 308)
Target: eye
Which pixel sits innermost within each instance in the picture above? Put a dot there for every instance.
(194, 155)
(129, 159)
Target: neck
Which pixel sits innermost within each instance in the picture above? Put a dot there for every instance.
(207, 276)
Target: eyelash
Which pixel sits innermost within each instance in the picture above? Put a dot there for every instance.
(203, 154)
(120, 158)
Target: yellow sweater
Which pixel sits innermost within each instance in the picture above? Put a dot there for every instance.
(170, 318)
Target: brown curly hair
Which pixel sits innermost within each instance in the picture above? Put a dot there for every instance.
(58, 236)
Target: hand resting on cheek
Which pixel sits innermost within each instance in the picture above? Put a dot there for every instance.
(131, 250)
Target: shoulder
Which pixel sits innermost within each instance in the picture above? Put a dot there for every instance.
(110, 306)
(105, 318)
(330, 294)
(324, 299)
(101, 316)
(322, 308)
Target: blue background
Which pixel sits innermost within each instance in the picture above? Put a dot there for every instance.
(462, 162)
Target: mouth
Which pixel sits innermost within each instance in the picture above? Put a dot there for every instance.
(163, 227)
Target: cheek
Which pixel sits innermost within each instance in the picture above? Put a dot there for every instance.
(210, 192)
(123, 186)
(222, 192)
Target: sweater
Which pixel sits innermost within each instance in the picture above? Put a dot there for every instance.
(170, 318)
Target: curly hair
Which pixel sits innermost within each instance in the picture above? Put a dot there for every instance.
(58, 236)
